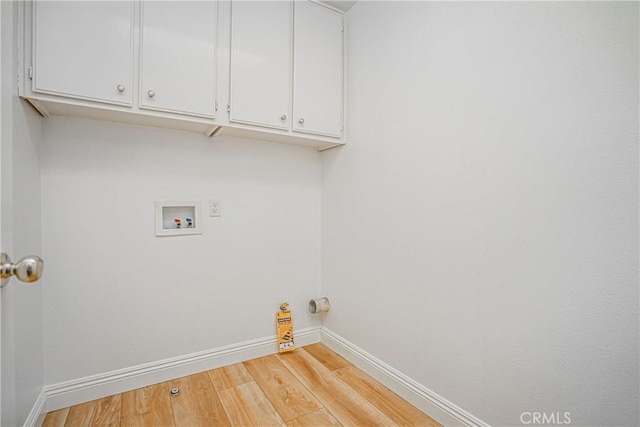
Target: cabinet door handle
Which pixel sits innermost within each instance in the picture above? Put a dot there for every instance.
(151, 94)
(120, 88)
(283, 117)
(301, 120)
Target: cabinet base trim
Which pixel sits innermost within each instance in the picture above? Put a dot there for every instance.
(39, 108)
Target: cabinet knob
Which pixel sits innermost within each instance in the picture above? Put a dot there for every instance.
(120, 88)
(301, 120)
(151, 94)
(283, 117)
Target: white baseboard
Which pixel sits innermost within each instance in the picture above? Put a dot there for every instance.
(62, 395)
(437, 407)
(36, 416)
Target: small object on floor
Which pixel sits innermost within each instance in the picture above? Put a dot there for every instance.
(284, 324)
(175, 391)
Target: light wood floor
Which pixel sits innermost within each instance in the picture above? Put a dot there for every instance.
(312, 386)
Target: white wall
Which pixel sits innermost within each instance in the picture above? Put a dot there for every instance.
(117, 296)
(480, 229)
(21, 304)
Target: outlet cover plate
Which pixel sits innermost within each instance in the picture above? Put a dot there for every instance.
(215, 207)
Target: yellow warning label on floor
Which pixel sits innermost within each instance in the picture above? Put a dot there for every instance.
(284, 324)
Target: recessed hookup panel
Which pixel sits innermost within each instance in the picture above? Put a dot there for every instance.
(175, 218)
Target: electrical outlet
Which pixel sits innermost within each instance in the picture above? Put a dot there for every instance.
(215, 208)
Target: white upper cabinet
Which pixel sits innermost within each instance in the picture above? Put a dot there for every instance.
(178, 57)
(84, 49)
(318, 70)
(265, 69)
(261, 46)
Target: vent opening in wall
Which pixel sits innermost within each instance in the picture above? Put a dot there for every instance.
(177, 218)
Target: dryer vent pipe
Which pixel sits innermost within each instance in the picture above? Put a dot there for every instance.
(320, 305)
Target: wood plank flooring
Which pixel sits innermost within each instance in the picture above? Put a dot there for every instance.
(312, 386)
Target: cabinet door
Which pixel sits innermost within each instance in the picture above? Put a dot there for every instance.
(83, 49)
(261, 63)
(318, 70)
(178, 56)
